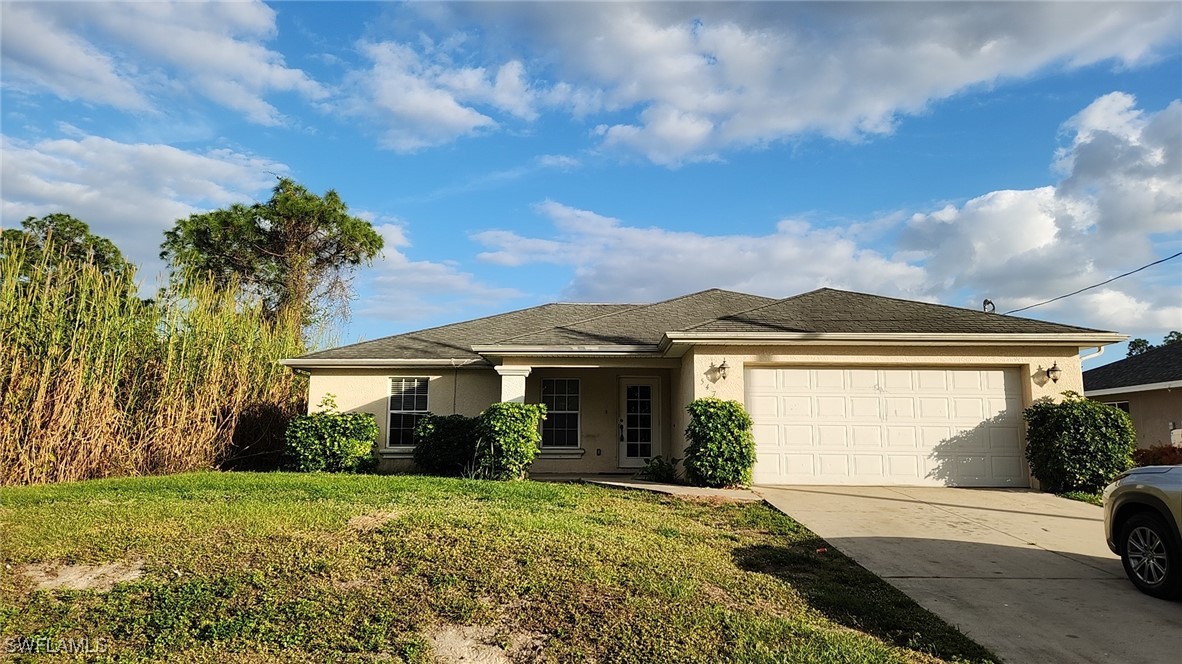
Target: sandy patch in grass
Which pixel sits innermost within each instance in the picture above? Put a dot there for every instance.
(474, 644)
(365, 523)
(100, 578)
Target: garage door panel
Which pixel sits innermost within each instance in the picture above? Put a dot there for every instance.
(902, 437)
(832, 436)
(763, 406)
(899, 408)
(829, 379)
(933, 408)
(866, 408)
(969, 408)
(867, 436)
(869, 466)
(830, 407)
(796, 406)
(888, 425)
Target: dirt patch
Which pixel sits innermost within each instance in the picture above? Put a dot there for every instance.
(99, 578)
(364, 523)
(473, 644)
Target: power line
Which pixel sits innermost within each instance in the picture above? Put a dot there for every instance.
(1119, 276)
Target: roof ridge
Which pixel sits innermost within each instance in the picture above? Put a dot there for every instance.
(630, 307)
(762, 306)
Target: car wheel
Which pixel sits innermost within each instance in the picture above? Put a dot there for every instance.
(1150, 556)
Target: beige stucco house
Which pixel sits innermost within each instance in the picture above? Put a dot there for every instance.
(1149, 388)
(843, 387)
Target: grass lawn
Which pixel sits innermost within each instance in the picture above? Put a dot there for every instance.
(272, 566)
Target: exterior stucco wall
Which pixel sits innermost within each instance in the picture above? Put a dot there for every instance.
(463, 391)
(599, 415)
(1154, 414)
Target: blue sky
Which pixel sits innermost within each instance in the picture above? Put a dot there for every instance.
(514, 154)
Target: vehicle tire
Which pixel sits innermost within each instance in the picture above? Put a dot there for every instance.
(1149, 552)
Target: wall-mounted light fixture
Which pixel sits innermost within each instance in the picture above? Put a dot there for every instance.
(720, 370)
(1054, 372)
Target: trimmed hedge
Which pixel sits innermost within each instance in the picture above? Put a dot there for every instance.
(1077, 444)
(446, 444)
(661, 469)
(498, 444)
(328, 441)
(721, 449)
(508, 438)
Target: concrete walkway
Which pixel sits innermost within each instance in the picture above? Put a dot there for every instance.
(1025, 574)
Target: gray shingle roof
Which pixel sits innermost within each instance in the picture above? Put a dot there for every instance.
(1157, 365)
(719, 311)
(645, 324)
(455, 341)
(828, 310)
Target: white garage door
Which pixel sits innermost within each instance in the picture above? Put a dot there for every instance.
(929, 426)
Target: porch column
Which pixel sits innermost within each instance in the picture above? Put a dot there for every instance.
(513, 382)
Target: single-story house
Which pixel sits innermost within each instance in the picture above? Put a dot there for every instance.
(843, 387)
(1148, 387)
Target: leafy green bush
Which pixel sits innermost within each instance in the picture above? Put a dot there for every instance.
(1158, 455)
(660, 469)
(508, 435)
(1078, 444)
(446, 444)
(721, 448)
(329, 441)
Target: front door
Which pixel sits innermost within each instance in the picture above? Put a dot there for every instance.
(640, 431)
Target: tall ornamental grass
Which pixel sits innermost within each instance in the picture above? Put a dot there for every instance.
(95, 382)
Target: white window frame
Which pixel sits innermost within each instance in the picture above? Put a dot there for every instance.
(1116, 404)
(401, 381)
(577, 413)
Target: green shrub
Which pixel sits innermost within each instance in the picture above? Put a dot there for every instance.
(660, 469)
(721, 448)
(508, 435)
(329, 441)
(446, 444)
(1078, 444)
(1158, 455)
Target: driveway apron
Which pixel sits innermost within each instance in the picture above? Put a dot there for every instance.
(1024, 573)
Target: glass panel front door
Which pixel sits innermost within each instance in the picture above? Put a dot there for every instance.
(638, 422)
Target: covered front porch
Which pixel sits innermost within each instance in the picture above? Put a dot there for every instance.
(600, 419)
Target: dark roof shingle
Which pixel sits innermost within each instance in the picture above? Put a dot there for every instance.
(825, 310)
(1156, 365)
(644, 325)
(828, 310)
(455, 341)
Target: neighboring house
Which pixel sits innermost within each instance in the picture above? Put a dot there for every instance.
(1148, 387)
(843, 387)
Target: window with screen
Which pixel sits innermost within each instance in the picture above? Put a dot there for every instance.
(1123, 405)
(561, 426)
(408, 405)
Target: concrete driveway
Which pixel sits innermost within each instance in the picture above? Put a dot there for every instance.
(1025, 574)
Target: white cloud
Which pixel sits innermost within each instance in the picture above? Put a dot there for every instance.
(616, 262)
(1118, 206)
(132, 54)
(688, 81)
(420, 99)
(399, 288)
(128, 192)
